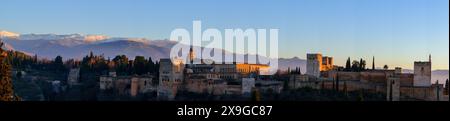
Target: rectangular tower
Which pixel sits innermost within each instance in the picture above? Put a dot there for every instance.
(422, 74)
(313, 64)
(170, 77)
(327, 63)
(393, 89)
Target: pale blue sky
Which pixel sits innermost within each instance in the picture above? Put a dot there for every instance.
(396, 32)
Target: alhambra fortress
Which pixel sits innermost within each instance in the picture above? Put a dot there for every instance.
(321, 73)
(242, 78)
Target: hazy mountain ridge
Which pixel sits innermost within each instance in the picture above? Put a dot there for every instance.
(440, 75)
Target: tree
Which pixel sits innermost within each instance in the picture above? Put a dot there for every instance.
(385, 67)
(446, 87)
(157, 69)
(58, 60)
(139, 65)
(91, 54)
(347, 65)
(6, 87)
(58, 64)
(3, 53)
(151, 66)
(362, 64)
(355, 66)
(122, 64)
(437, 90)
(297, 71)
(19, 74)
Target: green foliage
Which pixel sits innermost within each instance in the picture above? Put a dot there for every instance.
(6, 86)
(296, 71)
(121, 62)
(348, 65)
(91, 67)
(58, 60)
(140, 65)
(362, 64)
(151, 66)
(58, 65)
(355, 66)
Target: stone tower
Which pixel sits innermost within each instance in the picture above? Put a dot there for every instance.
(170, 77)
(422, 73)
(313, 64)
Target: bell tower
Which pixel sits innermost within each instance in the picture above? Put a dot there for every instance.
(191, 55)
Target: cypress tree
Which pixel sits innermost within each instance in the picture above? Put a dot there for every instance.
(348, 65)
(151, 65)
(446, 87)
(437, 90)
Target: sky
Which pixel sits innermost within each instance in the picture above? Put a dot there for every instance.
(396, 32)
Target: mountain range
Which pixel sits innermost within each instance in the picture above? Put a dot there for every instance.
(78, 45)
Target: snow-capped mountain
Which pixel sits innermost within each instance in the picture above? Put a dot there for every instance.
(8, 34)
(65, 40)
(70, 37)
(95, 38)
(49, 37)
(78, 45)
